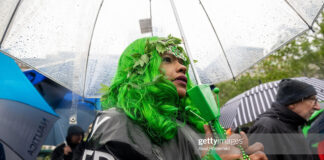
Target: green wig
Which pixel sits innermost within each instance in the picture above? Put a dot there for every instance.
(141, 90)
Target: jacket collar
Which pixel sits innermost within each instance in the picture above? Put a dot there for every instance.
(288, 116)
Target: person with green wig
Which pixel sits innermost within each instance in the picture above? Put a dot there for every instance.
(147, 112)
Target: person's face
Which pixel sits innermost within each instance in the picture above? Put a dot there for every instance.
(306, 107)
(175, 71)
(76, 139)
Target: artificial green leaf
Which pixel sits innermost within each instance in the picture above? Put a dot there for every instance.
(141, 71)
(158, 78)
(136, 55)
(141, 62)
(153, 41)
(132, 85)
(145, 58)
(104, 88)
(163, 43)
(159, 48)
(137, 63)
(177, 41)
(180, 49)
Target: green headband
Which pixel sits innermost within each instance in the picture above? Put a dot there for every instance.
(176, 52)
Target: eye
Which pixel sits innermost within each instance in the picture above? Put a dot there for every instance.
(166, 59)
(180, 61)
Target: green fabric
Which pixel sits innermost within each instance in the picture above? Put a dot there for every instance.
(311, 119)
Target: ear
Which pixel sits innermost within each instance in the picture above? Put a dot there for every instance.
(292, 106)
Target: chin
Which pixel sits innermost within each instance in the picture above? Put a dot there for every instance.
(182, 92)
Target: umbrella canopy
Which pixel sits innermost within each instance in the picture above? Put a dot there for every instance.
(62, 101)
(25, 117)
(85, 113)
(247, 106)
(77, 43)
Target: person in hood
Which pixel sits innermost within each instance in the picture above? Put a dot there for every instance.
(74, 146)
(148, 114)
(279, 129)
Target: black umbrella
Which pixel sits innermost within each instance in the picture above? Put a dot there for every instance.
(247, 106)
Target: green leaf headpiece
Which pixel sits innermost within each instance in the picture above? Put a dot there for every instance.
(161, 45)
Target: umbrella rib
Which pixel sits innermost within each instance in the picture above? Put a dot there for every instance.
(252, 107)
(87, 60)
(151, 17)
(10, 22)
(11, 149)
(243, 110)
(61, 132)
(258, 103)
(235, 123)
(271, 95)
(185, 42)
(219, 41)
(294, 9)
(249, 118)
(262, 102)
(267, 99)
(239, 121)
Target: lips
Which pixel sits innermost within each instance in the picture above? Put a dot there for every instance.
(181, 79)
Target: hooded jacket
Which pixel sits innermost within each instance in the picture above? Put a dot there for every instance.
(279, 130)
(77, 149)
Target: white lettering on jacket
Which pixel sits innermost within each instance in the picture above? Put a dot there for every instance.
(98, 123)
(96, 155)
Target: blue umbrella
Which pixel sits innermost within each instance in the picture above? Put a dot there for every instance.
(60, 99)
(25, 117)
(85, 113)
(34, 76)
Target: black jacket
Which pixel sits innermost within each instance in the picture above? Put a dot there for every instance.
(76, 154)
(279, 129)
(77, 149)
(2, 153)
(115, 137)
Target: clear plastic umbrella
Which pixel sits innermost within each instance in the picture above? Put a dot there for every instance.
(77, 43)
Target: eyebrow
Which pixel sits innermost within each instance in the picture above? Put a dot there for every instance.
(175, 57)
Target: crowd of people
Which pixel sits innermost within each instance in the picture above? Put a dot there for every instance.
(148, 115)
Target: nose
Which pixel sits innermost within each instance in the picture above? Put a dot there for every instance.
(317, 106)
(181, 68)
